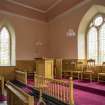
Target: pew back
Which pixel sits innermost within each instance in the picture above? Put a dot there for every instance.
(21, 76)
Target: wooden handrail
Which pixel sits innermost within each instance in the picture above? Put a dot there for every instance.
(60, 89)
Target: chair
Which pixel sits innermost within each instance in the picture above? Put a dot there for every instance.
(78, 70)
(68, 68)
(101, 75)
(90, 70)
(72, 68)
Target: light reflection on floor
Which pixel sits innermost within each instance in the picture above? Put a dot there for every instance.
(3, 103)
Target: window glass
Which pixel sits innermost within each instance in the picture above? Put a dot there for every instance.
(98, 20)
(96, 40)
(92, 43)
(102, 43)
(4, 47)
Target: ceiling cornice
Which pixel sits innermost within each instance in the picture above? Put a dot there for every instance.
(20, 16)
(56, 3)
(20, 10)
(62, 7)
(35, 9)
(72, 9)
(26, 6)
(33, 13)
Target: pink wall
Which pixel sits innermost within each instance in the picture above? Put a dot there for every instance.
(28, 32)
(59, 44)
(55, 43)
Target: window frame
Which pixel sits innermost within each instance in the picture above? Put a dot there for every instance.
(9, 45)
(12, 43)
(86, 35)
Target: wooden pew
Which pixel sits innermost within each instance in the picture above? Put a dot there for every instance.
(59, 90)
(57, 87)
(21, 76)
(15, 96)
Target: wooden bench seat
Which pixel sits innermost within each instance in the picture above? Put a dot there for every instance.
(16, 96)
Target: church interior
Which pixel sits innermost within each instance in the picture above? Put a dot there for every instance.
(52, 52)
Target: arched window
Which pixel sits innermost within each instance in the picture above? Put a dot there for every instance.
(96, 39)
(6, 49)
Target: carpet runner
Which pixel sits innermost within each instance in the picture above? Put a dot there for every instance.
(3, 98)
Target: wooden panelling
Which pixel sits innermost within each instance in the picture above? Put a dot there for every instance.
(61, 65)
(26, 65)
(9, 72)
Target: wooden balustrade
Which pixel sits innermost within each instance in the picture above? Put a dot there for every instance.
(59, 89)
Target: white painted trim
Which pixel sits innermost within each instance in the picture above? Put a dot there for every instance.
(71, 9)
(60, 15)
(26, 6)
(96, 8)
(53, 5)
(20, 16)
(35, 9)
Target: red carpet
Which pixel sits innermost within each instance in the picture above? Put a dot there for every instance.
(87, 98)
(3, 98)
(95, 85)
(92, 94)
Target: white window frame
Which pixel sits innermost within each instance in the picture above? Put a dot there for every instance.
(99, 61)
(12, 43)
